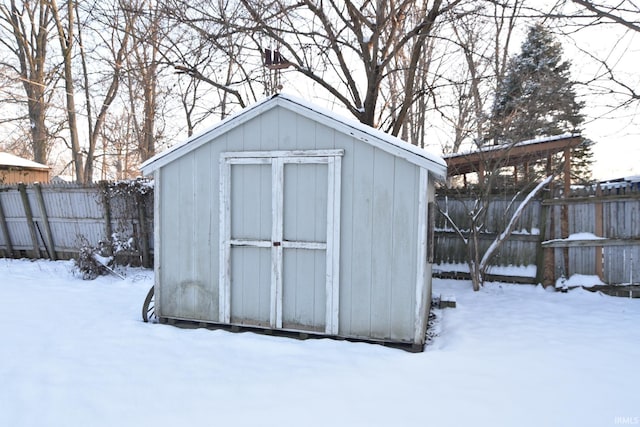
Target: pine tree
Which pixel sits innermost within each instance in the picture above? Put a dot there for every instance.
(536, 98)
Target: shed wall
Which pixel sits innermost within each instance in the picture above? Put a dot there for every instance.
(379, 207)
(17, 175)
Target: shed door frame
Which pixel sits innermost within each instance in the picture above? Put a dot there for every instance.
(277, 160)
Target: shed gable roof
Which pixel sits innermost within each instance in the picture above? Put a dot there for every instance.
(8, 160)
(367, 134)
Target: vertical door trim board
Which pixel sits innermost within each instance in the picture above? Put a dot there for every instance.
(421, 267)
(157, 239)
(224, 279)
(277, 206)
(333, 244)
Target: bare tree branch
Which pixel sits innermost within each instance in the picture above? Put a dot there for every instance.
(603, 11)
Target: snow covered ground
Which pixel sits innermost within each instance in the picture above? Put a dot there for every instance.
(75, 353)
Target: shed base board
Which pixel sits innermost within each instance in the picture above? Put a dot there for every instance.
(300, 335)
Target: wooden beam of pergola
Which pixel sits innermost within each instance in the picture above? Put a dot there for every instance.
(507, 155)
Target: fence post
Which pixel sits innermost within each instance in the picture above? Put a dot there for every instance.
(29, 217)
(564, 215)
(50, 246)
(5, 231)
(542, 253)
(599, 232)
(106, 204)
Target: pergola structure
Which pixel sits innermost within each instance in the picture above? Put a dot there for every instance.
(521, 154)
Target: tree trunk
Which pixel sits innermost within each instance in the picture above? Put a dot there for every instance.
(37, 115)
(475, 267)
(31, 39)
(66, 38)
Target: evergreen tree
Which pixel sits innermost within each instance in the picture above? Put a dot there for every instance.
(536, 98)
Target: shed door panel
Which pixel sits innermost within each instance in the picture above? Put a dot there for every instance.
(305, 202)
(304, 295)
(250, 285)
(279, 239)
(251, 202)
(250, 256)
(304, 290)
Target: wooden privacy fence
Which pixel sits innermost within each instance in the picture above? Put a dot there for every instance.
(605, 230)
(56, 220)
(594, 231)
(520, 250)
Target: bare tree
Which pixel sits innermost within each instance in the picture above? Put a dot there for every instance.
(26, 28)
(146, 22)
(65, 28)
(477, 259)
(576, 18)
(357, 42)
(120, 154)
(476, 213)
(357, 52)
(112, 34)
(480, 42)
(625, 12)
(208, 48)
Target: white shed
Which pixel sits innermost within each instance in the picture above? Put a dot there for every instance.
(290, 218)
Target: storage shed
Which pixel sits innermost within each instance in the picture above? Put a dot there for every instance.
(14, 169)
(290, 218)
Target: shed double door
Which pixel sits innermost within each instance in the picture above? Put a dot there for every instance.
(279, 228)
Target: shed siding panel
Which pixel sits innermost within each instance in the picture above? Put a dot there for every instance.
(288, 122)
(205, 221)
(306, 137)
(326, 138)
(270, 130)
(345, 319)
(188, 290)
(361, 228)
(170, 237)
(381, 243)
(236, 139)
(184, 200)
(403, 261)
(252, 136)
(378, 250)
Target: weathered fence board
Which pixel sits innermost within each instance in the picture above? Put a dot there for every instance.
(521, 248)
(66, 217)
(57, 220)
(610, 214)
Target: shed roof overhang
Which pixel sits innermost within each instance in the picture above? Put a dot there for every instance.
(510, 155)
(434, 164)
(10, 161)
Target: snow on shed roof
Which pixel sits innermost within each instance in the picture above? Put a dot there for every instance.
(10, 160)
(375, 137)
